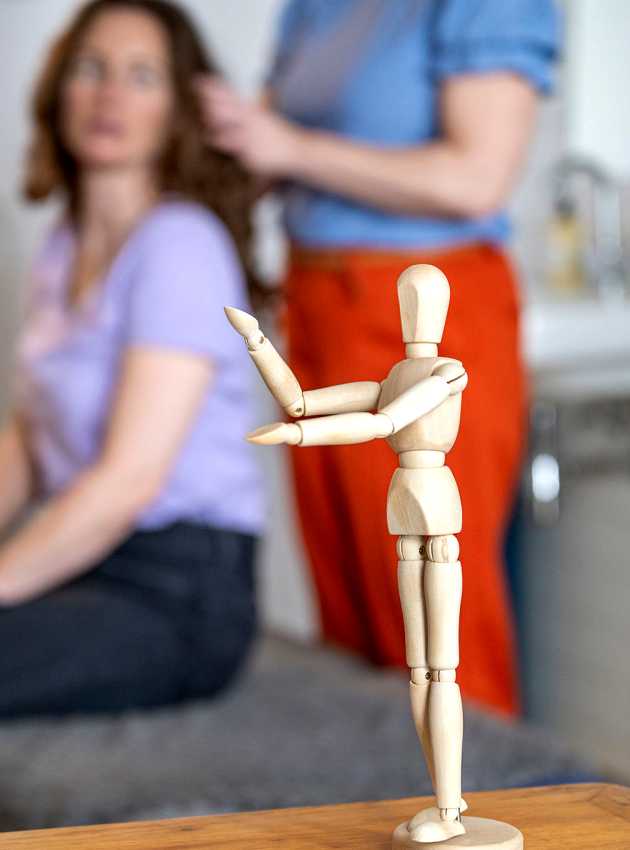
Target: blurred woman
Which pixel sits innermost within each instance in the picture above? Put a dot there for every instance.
(398, 128)
(133, 584)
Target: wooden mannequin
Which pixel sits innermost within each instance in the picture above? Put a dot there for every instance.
(418, 412)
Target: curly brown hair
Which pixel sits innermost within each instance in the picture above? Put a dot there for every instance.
(188, 167)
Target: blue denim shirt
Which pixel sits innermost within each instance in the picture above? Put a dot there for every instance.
(371, 70)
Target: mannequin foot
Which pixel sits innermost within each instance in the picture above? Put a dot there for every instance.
(436, 825)
(433, 814)
(480, 833)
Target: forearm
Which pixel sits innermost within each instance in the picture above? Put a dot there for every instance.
(485, 123)
(70, 534)
(439, 178)
(484, 120)
(15, 474)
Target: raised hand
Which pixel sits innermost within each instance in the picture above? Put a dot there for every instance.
(246, 325)
(262, 140)
(280, 380)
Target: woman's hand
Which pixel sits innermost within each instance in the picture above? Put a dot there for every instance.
(263, 141)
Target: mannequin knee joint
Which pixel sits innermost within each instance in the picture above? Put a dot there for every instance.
(410, 548)
(443, 549)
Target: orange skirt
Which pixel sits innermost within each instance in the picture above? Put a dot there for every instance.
(343, 325)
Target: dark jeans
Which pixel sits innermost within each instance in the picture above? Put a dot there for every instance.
(168, 616)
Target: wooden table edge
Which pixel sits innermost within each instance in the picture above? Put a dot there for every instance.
(612, 799)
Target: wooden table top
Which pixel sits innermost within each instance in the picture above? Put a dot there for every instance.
(568, 817)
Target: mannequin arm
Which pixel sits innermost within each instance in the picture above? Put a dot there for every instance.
(339, 429)
(282, 383)
(285, 387)
(342, 398)
(417, 401)
(454, 374)
(347, 428)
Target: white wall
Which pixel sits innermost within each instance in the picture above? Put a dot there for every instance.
(26, 28)
(241, 35)
(598, 114)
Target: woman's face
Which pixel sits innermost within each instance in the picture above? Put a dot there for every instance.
(117, 98)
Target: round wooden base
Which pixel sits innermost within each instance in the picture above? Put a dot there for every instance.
(481, 834)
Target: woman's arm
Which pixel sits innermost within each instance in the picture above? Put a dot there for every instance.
(485, 128)
(16, 480)
(158, 396)
(485, 125)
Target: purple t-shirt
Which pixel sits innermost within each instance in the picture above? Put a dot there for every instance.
(166, 288)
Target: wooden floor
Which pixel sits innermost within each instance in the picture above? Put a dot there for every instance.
(571, 817)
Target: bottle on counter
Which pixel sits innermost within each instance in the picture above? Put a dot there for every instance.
(565, 260)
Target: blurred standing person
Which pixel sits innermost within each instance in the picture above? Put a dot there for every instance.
(397, 128)
(133, 584)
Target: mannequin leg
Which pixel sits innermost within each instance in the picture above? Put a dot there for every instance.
(442, 593)
(410, 586)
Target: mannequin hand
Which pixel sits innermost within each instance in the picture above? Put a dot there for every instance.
(276, 433)
(246, 325)
(280, 380)
(264, 142)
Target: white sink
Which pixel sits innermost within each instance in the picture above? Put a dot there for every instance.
(578, 348)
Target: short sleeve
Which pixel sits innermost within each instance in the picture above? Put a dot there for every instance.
(185, 272)
(472, 36)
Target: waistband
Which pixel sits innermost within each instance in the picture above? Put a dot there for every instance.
(342, 257)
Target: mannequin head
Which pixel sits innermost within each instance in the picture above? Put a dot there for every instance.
(423, 295)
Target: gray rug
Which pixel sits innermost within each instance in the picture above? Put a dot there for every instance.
(301, 727)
